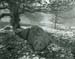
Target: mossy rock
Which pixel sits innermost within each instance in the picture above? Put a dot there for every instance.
(38, 38)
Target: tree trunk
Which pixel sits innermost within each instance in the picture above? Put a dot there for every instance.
(55, 26)
(15, 20)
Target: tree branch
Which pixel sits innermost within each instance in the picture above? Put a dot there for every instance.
(3, 7)
(5, 14)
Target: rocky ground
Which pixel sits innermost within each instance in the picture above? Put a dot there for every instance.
(38, 45)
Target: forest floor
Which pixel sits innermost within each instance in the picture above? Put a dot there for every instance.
(14, 47)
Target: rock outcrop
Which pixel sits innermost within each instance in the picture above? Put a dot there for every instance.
(36, 36)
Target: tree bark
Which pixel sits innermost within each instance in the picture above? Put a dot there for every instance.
(15, 20)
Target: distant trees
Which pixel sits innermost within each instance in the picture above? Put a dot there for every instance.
(59, 6)
(17, 7)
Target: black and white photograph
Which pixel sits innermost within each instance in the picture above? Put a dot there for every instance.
(37, 29)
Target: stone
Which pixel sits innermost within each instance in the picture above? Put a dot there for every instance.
(23, 33)
(38, 38)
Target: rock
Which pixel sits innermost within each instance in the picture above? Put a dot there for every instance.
(23, 33)
(38, 38)
(24, 57)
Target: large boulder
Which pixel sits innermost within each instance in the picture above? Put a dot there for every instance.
(38, 38)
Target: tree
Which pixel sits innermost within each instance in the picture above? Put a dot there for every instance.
(59, 6)
(17, 7)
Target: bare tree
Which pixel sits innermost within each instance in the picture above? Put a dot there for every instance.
(17, 7)
(59, 6)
